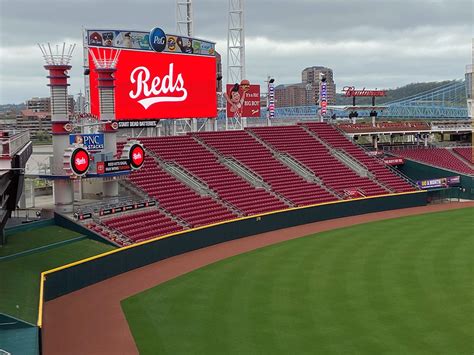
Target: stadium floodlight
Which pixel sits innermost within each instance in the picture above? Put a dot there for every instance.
(60, 56)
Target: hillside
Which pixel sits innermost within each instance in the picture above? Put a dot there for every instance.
(397, 93)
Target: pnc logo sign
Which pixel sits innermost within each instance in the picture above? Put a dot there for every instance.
(157, 39)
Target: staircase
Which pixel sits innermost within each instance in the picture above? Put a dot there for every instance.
(352, 164)
(245, 173)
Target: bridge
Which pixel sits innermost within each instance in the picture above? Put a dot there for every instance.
(445, 102)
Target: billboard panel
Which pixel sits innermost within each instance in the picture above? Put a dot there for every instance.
(437, 183)
(92, 142)
(151, 85)
(243, 100)
(128, 39)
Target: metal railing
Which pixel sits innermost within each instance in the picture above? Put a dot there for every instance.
(244, 172)
(12, 141)
(188, 179)
(297, 167)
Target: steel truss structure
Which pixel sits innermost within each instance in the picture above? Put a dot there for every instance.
(445, 102)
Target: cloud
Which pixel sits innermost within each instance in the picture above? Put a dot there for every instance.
(368, 43)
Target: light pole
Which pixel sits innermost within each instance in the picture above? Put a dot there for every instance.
(270, 100)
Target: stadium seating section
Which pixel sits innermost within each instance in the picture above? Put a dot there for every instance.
(229, 192)
(384, 127)
(375, 166)
(451, 159)
(465, 153)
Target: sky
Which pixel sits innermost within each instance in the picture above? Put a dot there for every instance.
(368, 43)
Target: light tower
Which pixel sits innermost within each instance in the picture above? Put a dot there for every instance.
(236, 42)
(236, 53)
(105, 66)
(470, 86)
(184, 27)
(57, 61)
(184, 17)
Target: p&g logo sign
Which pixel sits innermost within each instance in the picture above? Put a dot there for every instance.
(157, 39)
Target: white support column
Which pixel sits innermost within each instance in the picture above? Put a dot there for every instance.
(184, 17)
(57, 64)
(236, 42)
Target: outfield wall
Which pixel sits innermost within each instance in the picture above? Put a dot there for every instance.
(72, 277)
(419, 171)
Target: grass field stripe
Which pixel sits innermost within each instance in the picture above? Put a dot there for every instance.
(42, 248)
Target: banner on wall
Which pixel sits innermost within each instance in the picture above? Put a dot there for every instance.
(243, 100)
(439, 183)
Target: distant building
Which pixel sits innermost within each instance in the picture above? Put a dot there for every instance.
(311, 76)
(34, 121)
(469, 90)
(306, 93)
(80, 104)
(43, 104)
(294, 95)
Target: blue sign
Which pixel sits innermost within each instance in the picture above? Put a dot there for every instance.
(91, 142)
(157, 39)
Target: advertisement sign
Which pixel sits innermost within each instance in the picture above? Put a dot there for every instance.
(82, 216)
(76, 161)
(350, 91)
(92, 142)
(323, 98)
(439, 183)
(453, 180)
(136, 156)
(159, 85)
(80, 161)
(134, 152)
(156, 40)
(394, 161)
(134, 206)
(113, 166)
(137, 124)
(243, 100)
(271, 100)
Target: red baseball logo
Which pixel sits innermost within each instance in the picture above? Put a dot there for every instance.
(137, 156)
(80, 161)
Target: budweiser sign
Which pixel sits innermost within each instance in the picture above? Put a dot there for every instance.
(350, 91)
(151, 85)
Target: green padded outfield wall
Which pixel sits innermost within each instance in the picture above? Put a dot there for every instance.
(73, 278)
(419, 171)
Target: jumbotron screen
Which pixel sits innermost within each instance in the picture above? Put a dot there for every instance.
(151, 85)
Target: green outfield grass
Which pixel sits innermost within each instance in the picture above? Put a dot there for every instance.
(19, 277)
(401, 286)
(35, 238)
